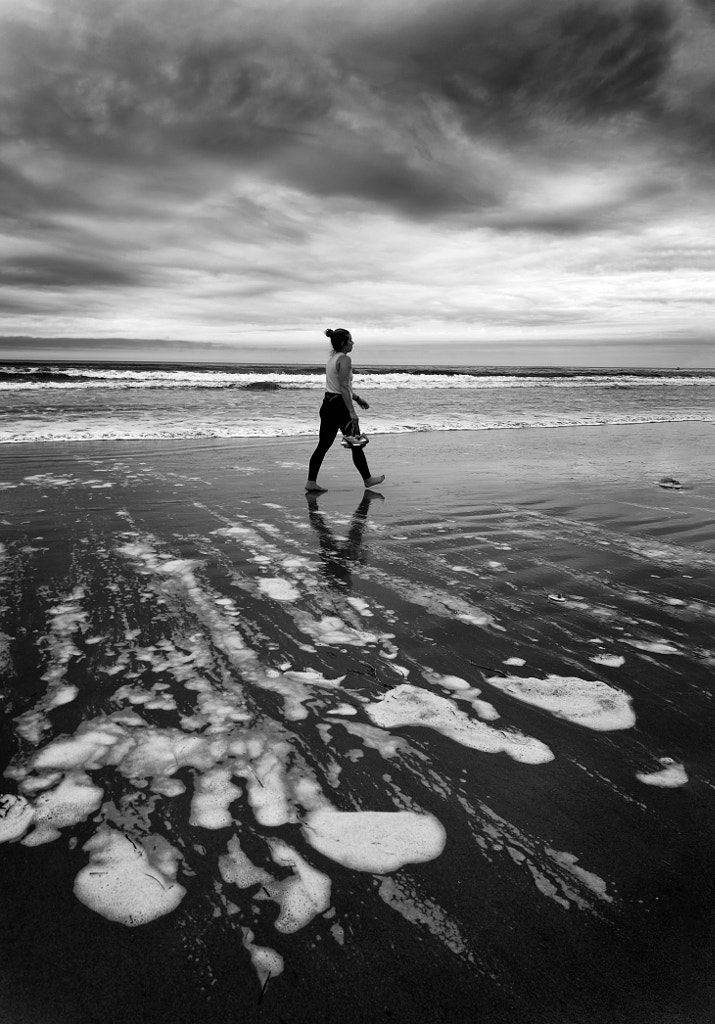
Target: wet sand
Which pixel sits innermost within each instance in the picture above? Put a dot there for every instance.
(440, 755)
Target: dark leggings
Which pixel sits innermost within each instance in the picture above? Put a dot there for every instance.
(334, 416)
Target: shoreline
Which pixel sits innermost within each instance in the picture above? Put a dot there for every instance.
(609, 461)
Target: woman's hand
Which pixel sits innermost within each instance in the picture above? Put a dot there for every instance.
(361, 402)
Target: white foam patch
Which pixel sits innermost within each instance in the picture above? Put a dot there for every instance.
(376, 841)
(51, 480)
(127, 881)
(449, 682)
(420, 910)
(610, 660)
(301, 896)
(63, 694)
(67, 618)
(267, 962)
(671, 775)
(463, 691)
(72, 801)
(236, 868)
(587, 878)
(654, 646)
(213, 793)
(331, 630)
(360, 605)
(342, 709)
(225, 637)
(409, 705)
(16, 816)
(446, 605)
(246, 533)
(265, 778)
(376, 739)
(295, 687)
(587, 702)
(550, 871)
(278, 589)
(514, 661)
(152, 699)
(167, 787)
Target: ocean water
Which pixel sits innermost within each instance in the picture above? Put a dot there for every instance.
(80, 402)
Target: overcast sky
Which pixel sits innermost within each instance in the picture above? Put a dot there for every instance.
(499, 181)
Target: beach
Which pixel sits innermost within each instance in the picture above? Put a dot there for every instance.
(437, 753)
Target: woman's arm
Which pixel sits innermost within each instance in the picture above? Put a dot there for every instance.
(344, 368)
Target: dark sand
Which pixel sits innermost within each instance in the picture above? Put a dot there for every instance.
(568, 892)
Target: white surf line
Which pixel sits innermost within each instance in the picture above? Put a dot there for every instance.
(408, 705)
(556, 874)
(586, 702)
(68, 619)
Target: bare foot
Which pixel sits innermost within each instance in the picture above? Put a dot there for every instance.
(373, 481)
(314, 488)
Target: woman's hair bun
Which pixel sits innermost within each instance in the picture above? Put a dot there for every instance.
(329, 333)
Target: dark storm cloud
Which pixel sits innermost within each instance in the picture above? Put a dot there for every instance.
(499, 64)
(342, 107)
(118, 120)
(124, 81)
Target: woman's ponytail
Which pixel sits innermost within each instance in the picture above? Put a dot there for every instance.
(337, 337)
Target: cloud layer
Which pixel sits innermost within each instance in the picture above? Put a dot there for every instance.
(219, 169)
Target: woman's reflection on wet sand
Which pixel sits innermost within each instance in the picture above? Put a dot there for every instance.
(339, 554)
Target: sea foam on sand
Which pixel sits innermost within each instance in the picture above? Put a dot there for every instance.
(670, 776)
(410, 705)
(587, 702)
(377, 841)
(129, 882)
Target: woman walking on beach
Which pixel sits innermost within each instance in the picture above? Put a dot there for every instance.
(338, 412)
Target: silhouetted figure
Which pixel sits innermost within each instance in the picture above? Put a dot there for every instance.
(338, 412)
